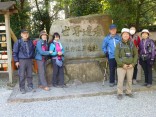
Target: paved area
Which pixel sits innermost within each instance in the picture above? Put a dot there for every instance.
(85, 100)
(73, 91)
(143, 105)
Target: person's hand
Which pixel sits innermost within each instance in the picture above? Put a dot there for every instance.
(125, 66)
(130, 66)
(50, 52)
(60, 53)
(17, 64)
(151, 62)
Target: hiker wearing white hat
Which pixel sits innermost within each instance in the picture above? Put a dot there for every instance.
(126, 56)
(147, 56)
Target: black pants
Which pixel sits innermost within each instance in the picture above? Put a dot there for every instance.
(147, 68)
(58, 74)
(135, 72)
(25, 71)
(112, 69)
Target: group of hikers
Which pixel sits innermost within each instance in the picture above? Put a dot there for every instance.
(124, 54)
(24, 50)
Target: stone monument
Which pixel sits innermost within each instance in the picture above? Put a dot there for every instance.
(82, 39)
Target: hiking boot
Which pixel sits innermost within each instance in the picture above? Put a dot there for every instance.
(62, 86)
(30, 89)
(22, 91)
(134, 82)
(149, 86)
(119, 96)
(130, 95)
(145, 84)
(111, 84)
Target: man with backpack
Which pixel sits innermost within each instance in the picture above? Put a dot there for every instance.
(23, 53)
(126, 56)
(108, 47)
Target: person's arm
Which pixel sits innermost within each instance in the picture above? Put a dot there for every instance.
(117, 56)
(16, 51)
(39, 48)
(153, 50)
(53, 49)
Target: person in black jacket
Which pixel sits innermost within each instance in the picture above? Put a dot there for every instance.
(23, 53)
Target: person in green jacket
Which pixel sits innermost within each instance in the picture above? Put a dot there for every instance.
(126, 56)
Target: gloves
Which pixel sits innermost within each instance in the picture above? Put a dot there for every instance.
(151, 62)
(107, 55)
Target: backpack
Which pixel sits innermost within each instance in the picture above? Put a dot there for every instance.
(121, 46)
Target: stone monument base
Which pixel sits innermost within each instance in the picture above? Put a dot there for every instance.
(87, 70)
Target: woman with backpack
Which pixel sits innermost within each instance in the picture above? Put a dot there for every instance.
(57, 61)
(126, 56)
(147, 56)
(41, 57)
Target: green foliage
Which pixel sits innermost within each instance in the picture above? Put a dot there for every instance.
(126, 13)
(85, 7)
(22, 19)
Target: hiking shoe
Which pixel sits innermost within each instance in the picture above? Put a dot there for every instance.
(22, 91)
(62, 86)
(30, 89)
(134, 82)
(145, 84)
(119, 96)
(130, 95)
(149, 86)
(111, 84)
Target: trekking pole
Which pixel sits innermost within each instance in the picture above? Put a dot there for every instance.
(105, 73)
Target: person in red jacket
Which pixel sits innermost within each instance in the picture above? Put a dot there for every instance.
(136, 40)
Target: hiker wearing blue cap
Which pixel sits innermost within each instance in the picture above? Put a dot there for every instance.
(108, 47)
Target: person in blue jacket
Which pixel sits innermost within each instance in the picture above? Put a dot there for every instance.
(23, 53)
(108, 48)
(41, 57)
(57, 61)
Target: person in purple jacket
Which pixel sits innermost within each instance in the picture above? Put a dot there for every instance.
(147, 55)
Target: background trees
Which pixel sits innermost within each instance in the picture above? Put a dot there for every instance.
(37, 15)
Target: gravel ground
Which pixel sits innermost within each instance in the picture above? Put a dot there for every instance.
(143, 105)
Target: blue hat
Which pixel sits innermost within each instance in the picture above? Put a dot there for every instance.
(112, 26)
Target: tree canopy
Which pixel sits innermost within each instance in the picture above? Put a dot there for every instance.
(37, 15)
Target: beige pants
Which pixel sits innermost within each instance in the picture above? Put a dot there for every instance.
(121, 76)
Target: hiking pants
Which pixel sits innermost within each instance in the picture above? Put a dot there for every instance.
(58, 74)
(41, 73)
(121, 76)
(112, 69)
(25, 71)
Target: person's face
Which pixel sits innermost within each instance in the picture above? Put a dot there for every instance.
(125, 36)
(44, 37)
(57, 38)
(144, 35)
(132, 30)
(113, 31)
(25, 35)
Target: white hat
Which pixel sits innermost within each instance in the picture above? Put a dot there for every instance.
(125, 30)
(145, 31)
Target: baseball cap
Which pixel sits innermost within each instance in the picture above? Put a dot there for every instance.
(112, 26)
(24, 31)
